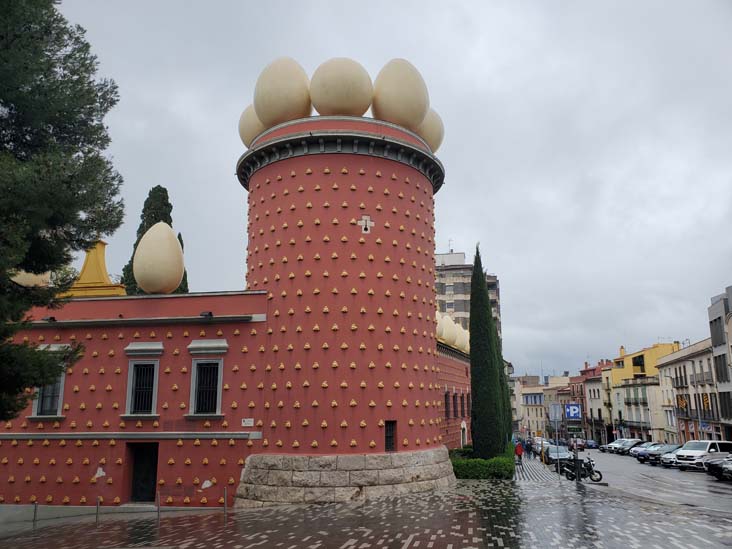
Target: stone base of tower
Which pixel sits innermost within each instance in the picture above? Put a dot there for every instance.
(270, 479)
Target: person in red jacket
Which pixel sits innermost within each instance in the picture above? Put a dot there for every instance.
(519, 452)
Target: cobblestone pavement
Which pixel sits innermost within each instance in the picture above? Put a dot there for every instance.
(474, 514)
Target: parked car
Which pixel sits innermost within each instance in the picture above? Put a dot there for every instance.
(610, 448)
(669, 459)
(591, 444)
(642, 454)
(629, 444)
(692, 454)
(633, 452)
(727, 470)
(538, 447)
(715, 466)
(554, 453)
(654, 455)
(579, 443)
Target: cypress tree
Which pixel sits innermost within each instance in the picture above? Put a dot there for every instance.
(157, 208)
(183, 288)
(488, 421)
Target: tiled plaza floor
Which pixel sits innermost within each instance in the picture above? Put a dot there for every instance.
(475, 514)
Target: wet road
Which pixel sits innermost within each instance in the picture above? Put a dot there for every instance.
(690, 488)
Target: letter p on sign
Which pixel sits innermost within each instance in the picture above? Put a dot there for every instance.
(573, 411)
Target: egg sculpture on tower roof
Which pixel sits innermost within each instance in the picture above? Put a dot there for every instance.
(341, 87)
(282, 92)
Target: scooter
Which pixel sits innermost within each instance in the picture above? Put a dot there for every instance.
(587, 470)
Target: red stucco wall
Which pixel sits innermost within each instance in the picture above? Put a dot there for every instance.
(348, 343)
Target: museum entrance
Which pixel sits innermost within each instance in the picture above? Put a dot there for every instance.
(144, 471)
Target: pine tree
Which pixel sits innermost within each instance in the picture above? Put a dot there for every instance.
(58, 191)
(488, 419)
(157, 208)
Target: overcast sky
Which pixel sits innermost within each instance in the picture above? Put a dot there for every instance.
(588, 147)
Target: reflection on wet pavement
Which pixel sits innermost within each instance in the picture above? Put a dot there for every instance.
(474, 514)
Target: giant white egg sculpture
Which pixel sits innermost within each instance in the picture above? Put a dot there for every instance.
(441, 323)
(400, 95)
(250, 126)
(451, 332)
(341, 86)
(462, 339)
(30, 280)
(158, 261)
(432, 130)
(282, 92)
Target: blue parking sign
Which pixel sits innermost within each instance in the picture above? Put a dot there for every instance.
(573, 411)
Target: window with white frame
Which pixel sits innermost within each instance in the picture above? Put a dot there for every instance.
(142, 387)
(206, 384)
(48, 402)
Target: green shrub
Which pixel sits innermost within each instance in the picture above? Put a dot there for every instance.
(466, 452)
(500, 467)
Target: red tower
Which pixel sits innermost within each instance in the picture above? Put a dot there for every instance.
(341, 236)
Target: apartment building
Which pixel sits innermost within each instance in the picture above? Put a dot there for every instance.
(720, 328)
(452, 283)
(694, 395)
(593, 411)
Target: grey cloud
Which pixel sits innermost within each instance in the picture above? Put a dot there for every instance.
(587, 145)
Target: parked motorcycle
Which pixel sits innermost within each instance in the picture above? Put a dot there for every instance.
(587, 470)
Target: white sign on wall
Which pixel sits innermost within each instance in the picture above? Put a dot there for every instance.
(247, 422)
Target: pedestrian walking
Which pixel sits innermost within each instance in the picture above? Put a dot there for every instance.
(529, 449)
(519, 452)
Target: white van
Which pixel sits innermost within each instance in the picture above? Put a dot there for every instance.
(692, 454)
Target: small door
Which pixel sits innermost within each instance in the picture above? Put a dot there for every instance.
(144, 471)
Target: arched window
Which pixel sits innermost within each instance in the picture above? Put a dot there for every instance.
(462, 405)
(447, 405)
(454, 405)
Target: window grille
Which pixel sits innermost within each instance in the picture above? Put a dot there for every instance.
(207, 388)
(390, 436)
(462, 405)
(455, 405)
(143, 386)
(48, 396)
(447, 405)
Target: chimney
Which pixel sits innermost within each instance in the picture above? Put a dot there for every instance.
(622, 351)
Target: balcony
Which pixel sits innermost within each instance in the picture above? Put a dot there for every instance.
(680, 382)
(708, 415)
(636, 401)
(637, 424)
(685, 413)
(704, 415)
(702, 378)
(607, 403)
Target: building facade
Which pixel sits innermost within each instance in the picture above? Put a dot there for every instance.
(720, 327)
(453, 289)
(534, 413)
(594, 414)
(694, 396)
(642, 415)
